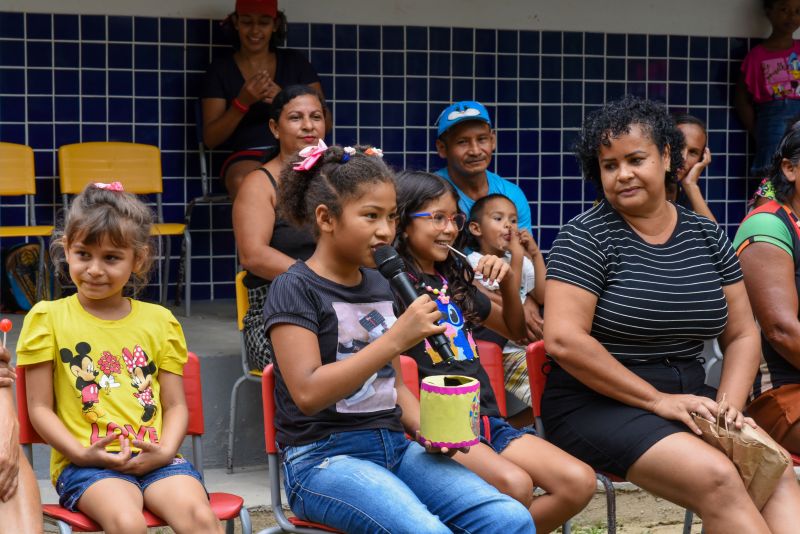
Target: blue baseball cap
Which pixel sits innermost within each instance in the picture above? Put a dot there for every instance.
(466, 110)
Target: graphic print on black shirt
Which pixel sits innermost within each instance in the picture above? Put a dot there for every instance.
(360, 325)
(457, 333)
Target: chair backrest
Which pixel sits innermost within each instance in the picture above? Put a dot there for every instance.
(536, 358)
(27, 434)
(242, 301)
(137, 166)
(193, 391)
(191, 387)
(491, 357)
(410, 371)
(17, 175)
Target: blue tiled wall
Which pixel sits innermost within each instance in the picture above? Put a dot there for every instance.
(70, 78)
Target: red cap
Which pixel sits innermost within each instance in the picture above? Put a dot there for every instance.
(258, 7)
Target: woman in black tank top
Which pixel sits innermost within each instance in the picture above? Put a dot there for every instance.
(267, 245)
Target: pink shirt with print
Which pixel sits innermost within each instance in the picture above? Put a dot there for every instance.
(772, 74)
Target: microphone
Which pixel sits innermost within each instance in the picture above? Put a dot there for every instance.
(392, 267)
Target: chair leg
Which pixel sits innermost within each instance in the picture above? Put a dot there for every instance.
(566, 528)
(687, 521)
(64, 528)
(611, 502)
(165, 273)
(229, 525)
(244, 518)
(187, 246)
(187, 220)
(232, 421)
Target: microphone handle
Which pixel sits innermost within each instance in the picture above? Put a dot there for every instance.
(408, 293)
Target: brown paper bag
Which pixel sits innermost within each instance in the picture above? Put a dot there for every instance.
(758, 458)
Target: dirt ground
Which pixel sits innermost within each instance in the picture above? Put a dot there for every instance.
(638, 512)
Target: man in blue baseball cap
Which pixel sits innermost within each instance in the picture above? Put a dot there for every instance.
(466, 140)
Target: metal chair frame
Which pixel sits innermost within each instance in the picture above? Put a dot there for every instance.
(205, 199)
(242, 305)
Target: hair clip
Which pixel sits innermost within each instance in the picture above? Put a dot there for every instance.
(311, 155)
(372, 151)
(113, 186)
(348, 151)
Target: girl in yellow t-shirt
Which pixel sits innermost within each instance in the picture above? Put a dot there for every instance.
(104, 376)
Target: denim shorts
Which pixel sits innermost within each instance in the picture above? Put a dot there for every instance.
(501, 433)
(75, 480)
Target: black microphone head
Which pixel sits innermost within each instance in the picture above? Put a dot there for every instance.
(388, 261)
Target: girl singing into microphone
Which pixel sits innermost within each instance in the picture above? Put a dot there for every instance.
(514, 461)
(347, 462)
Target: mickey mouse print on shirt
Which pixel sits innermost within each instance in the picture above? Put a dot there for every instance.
(81, 365)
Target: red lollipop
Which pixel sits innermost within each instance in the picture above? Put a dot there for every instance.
(5, 327)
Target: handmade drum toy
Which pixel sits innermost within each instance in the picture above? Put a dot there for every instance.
(450, 411)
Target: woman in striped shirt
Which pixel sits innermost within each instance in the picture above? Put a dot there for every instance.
(634, 287)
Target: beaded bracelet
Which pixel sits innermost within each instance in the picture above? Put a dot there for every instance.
(239, 106)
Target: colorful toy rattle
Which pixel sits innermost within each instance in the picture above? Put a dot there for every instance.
(5, 327)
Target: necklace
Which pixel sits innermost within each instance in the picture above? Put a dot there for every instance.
(441, 293)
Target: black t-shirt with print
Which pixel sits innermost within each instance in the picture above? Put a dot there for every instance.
(459, 332)
(345, 320)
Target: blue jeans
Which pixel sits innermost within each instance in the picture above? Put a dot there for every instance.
(501, 433)
(379, 481)
(74, 481)
(772, 118)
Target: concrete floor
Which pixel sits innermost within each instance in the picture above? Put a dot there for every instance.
(211, 333)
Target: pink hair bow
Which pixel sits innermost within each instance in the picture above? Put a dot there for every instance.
(311, 155)
(113, 186)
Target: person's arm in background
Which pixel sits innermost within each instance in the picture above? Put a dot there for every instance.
(770, 280)
(692, 188)
(743, 103)
(253, 224)
(523, 208)
(221, 119)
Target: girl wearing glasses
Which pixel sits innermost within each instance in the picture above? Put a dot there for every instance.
(512, 460)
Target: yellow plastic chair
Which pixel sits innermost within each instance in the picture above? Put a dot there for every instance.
(242, 305)
(18, 178)
(138, 168)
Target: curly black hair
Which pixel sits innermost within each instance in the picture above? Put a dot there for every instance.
(278, 35)
(335, 178)
(414, 190)
(789, 148)
(615, 119)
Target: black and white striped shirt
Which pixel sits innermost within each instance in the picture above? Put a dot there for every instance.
(654, 301)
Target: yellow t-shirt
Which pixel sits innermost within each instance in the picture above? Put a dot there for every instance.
(105, 373)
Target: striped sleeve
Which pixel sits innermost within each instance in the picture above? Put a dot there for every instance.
(576, 258)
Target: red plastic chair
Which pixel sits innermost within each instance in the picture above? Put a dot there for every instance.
(226, 506)
(294, 524)
(491, 357)
(285, 524)
(538, 367)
